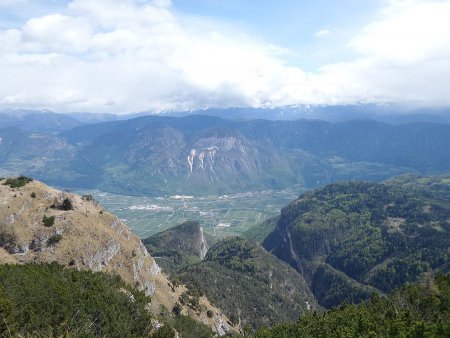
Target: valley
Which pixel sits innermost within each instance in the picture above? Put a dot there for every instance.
(345, 243)
(230, 226)
(221, 216)
(224, 169)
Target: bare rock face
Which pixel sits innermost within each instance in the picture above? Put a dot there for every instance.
(214, 158)
(85, 237)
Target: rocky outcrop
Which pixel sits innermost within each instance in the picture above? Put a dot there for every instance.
(213, 159)
(86, 237)
(203, 244)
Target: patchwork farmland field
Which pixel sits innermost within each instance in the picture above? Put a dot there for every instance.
(222, 216)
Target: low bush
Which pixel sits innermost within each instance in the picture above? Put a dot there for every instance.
(54, 240)
(18, 181)
(48, 221)
(66, 205)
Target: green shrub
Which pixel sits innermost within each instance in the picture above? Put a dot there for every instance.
(66, 205)
(54, 239)
(48, 221)
(18, 181)
(6, 310)
(177, 310)
(33, 195)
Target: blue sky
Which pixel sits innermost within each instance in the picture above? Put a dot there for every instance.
(135, 55)
(293, 24)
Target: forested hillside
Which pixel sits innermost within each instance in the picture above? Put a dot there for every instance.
(351, 239)
(343, 243)
(252, 287)
(158, 155)
(48, 300)
(179, 246)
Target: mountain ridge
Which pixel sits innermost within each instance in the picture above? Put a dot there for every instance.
(361, 237)
(39, 224)
(209, 155)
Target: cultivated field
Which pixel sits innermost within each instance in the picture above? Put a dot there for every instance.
(225, 215)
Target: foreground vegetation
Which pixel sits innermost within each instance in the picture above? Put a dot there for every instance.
(184, 327)
(49, 300)
(421, 310)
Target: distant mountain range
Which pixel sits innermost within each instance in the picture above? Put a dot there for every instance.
(42, 121)
(209, 155)
(388, 113)
(394, 114)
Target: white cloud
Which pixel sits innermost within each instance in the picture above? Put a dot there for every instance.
(323, 33)
(408, 33)
(404, 55)
(56, 32)
(133, 55)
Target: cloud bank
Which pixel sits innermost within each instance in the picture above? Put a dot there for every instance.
(133, 55)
